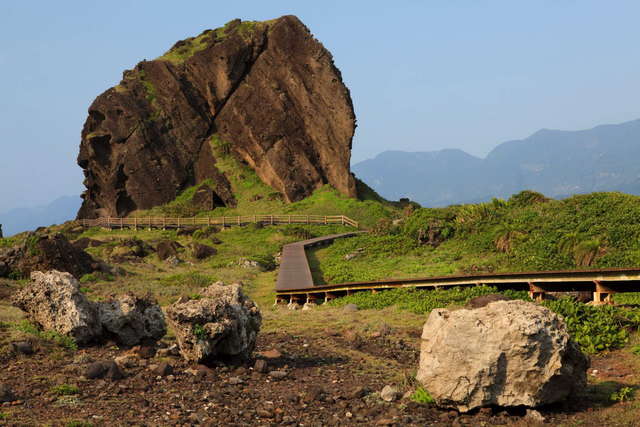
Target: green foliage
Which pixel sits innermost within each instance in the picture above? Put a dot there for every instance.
(422, 396)
(55, 337)
(420, 301)
(96, 277)
(266, 260)
(77, 423)
(527, 198)
(65, 390)
(189, 280)
(4, 416)
(623, 395)
(636, 350)
(200, 332)
(31, 244)
(596, 328)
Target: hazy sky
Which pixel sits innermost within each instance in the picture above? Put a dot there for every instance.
(424, 75)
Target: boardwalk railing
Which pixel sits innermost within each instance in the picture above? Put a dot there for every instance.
(225, 221)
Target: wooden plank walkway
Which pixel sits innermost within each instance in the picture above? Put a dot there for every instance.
(295, 282)
(224, 221)
(294, 272)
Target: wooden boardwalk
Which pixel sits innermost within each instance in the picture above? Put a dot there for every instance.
(295, 283)
(294, 272)
(224, 221)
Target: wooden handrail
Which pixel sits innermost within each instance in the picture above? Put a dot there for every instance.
(225, 221)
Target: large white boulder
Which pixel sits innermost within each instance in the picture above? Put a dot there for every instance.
(508, 353)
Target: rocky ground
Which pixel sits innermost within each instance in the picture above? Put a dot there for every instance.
(330, 377)
(325, 366)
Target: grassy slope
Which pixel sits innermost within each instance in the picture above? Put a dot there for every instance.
(597, 230)
(255, 197)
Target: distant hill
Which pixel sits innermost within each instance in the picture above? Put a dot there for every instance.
(23, 219)
(553, 162)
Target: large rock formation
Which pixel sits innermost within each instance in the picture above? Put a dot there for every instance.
(131, 319)
(221, 324)
(507, 353)
(267, 93)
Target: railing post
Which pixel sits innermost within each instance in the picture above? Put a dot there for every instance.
(164, 223)
(223, 221)
(325, 220)
(342, 217)
(209, 221)
(271, 217)
(239, 220)
(307, 219)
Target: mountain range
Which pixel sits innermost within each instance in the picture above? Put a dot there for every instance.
(554, 162)
(24, 219)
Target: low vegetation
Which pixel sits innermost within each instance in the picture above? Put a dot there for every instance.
(526, 233)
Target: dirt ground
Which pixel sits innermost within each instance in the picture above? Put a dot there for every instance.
(330, 377)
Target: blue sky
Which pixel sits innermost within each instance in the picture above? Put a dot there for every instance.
(424, 75)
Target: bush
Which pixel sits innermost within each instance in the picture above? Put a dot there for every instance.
(622, 395)
(422, 396)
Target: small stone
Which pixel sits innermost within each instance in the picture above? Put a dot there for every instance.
(163, 369)
(235, 380)
(263, 413)
(278, 374)
(82, 359)
(113, 371)
(261, 366)
(95, 370)
(126, 361)
(271, 354)
(144, 351)
(22, 347)
(534, 415)
(389, 394)
(308, 306)
(6, 394)
(357, 393)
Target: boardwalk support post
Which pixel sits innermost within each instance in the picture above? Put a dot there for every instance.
(602, 294)
(536, 293)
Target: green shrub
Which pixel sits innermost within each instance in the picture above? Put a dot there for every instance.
(97, 276)
(422, 396)
(623, 395)
(65, 390)
(200, 332)
(189, 280)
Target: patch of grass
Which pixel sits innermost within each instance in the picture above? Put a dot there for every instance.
(65, 390)
(96, 277)
(4, 416)
(55, 337)
(422, 396)
(185, 49)
(188, 280)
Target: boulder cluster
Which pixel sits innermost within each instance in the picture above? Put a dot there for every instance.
(221, 323)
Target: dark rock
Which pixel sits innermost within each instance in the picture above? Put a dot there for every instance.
(265, 93)
(201, 251)
(131, 319)
(22, 347)
(186, 231)
(167, 248)
(206, 199)
(113, 371)
(41, 252)
(6, 394)
(278, 374)
(95, 370)
(85, 243)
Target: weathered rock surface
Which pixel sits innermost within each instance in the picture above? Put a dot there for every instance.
(267, 93)
(132, 320)
(222, 324)
(508, 353)
(54, 301)
(41, 252)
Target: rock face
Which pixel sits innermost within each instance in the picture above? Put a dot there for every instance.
(46, 252)
(508, 353)
(131, 319)
(266, 93)
(54, 301)
(222, 324)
